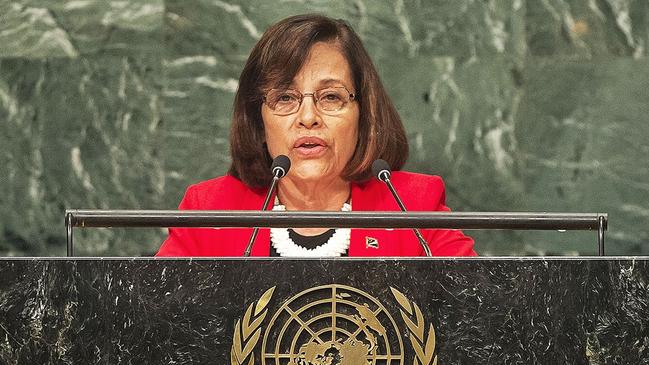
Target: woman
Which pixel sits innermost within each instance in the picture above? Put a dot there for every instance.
(310, 91)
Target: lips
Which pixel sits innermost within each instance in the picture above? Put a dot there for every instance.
(310, 146)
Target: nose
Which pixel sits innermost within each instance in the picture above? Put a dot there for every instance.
(308, 115)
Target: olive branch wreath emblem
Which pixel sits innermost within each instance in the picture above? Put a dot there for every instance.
(411, 314)
(247, 330)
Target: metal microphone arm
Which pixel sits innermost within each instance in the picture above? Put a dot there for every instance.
(280, 166)
(263, 207)
(385, 177)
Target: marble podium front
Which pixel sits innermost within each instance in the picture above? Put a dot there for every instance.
(326, 311)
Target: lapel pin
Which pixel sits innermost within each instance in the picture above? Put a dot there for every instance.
(371, 242)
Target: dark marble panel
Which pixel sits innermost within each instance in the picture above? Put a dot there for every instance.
(581, 140)
(553, 136)
(38, 29)
(463, 29)
(587, 29)
(460, 121)
(83, 133)
(523, 311)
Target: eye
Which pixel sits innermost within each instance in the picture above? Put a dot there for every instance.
(331, 96)
(285, 97)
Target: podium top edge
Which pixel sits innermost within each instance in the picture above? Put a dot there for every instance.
(376, 259)
(163, 212)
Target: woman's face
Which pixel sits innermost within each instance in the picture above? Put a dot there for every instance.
(319, 145)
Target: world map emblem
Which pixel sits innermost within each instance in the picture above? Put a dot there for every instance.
(332, 325)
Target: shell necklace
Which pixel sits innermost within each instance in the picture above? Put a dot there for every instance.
(285, 247)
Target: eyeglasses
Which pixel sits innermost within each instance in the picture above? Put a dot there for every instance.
(330, 100)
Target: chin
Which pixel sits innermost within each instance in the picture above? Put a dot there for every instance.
(310, 171)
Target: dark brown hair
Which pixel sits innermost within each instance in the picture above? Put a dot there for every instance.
(274, 62)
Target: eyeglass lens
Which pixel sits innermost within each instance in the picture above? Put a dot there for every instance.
(288, 101)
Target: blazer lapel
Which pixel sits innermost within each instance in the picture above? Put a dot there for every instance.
(369, 242)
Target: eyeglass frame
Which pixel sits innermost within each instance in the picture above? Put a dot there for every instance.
(352, 97)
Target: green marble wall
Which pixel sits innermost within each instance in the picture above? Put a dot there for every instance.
(521, 105)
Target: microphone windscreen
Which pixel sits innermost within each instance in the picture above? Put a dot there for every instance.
(378, 167)
(282, 164)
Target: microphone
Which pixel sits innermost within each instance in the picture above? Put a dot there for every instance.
(381, 171)
(281, 165)
(279, 168)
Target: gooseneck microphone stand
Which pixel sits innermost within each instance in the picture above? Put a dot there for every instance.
(381, 170)
(281, 165)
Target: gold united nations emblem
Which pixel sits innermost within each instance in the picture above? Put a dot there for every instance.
(331, 325)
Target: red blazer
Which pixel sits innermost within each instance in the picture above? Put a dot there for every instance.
(418, 192)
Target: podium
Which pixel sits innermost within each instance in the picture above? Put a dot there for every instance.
(324, 311)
